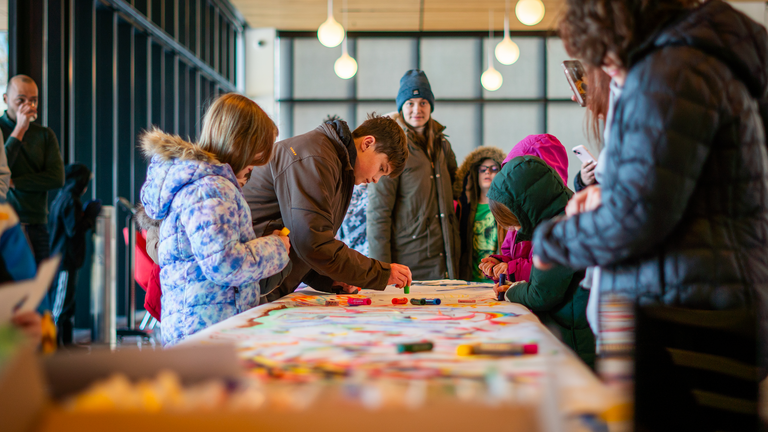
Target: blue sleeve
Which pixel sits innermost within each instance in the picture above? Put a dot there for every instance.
(16, 254)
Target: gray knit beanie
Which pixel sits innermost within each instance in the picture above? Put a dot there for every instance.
(414, 84)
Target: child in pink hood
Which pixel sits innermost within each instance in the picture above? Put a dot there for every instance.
(515, 258)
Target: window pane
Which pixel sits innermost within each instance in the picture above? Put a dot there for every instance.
(566, 122)
(363, 109)
(506, 124)
(308, 116)
(451, 64)
(557, 85)
(284, 75)
(525, 77)
(284, 120)
(313, 75)
(461, 122)
(381, 64)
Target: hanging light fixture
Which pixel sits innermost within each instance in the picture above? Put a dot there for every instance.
(491, 79)
(530, 12)
(345, 66)
(507, 52)
(330, 33)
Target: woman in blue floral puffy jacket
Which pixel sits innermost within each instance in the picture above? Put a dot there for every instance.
(210, 257)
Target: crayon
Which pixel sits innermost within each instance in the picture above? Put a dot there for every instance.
(401, 300)
(433, 301)
(499, 349)
(501, 296)
(415, 301)
(466, 300)
(359, 301)
(407, 289)
(414, 347)
(331, 303)
(285, 231)
(502, 279)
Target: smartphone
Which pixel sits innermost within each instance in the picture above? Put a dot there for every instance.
(583, 154)
(574, 73)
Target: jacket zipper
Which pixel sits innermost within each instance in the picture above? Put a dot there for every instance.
(237, 298)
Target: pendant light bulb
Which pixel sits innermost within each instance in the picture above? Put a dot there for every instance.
(345, 66)
(507, 52)
(530, 12)
(330, 33)
(491, 79)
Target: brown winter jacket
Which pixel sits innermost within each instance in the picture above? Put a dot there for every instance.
(307, 187)
(466, 187)
(411, 219)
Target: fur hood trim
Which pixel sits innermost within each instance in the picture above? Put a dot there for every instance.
(478, 155)
(155, 142)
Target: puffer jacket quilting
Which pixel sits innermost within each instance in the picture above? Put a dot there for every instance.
(684, 214)
(210, 257)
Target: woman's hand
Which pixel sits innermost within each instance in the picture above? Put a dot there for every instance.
(486, 266)
(286, 241)
(588, 172)
(587, 200)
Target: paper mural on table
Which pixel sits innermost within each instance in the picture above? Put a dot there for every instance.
(298, 338)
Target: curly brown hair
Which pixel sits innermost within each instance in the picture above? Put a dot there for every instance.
(592, 28)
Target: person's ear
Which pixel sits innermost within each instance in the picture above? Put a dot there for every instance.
(369, 142)
(5, 98)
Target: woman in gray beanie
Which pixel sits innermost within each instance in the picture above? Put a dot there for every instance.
(411, 218)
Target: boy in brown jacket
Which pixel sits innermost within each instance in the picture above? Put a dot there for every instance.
(307, 187)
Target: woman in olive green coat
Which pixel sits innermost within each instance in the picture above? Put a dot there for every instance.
(525, 193)
(411, 218)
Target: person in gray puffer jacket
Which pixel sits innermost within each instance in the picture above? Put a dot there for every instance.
(680, 225)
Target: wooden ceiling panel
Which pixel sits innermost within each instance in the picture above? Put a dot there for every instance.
(390, 15)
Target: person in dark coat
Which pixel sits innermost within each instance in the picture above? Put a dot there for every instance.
(525, 193)
(69, 222)
(680, 224)
(411, 219)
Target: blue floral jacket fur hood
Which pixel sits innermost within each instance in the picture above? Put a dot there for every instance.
(210, 257)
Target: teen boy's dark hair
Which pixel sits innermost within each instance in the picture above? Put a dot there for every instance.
(390, 140)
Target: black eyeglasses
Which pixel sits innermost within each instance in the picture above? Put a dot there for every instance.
(482, 168)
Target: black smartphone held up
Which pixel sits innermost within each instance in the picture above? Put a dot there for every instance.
(576, 76)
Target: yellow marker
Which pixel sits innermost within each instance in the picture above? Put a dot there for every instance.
(285, 232)
(48, 333)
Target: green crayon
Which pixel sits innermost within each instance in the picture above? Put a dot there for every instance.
(418, 302)
(414, 347)
(407, 289)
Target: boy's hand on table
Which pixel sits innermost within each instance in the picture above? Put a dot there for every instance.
(30, 323)
(399, 276)
(347, 288)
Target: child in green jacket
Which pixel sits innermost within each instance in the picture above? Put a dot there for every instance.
(525, 193)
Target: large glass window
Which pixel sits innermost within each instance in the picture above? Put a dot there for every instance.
(535, 97)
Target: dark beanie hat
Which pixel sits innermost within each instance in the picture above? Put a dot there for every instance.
(414, 84)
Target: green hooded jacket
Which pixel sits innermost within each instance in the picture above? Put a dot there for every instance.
(535, 193)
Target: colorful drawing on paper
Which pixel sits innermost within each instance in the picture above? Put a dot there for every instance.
(298, 338)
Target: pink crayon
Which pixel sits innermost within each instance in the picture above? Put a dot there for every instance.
(359, 301)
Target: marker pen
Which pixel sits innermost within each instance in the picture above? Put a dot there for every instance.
(401, 300)
(499, 349)
(359, 301)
